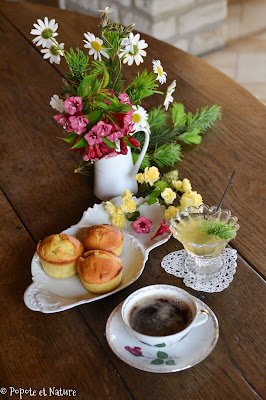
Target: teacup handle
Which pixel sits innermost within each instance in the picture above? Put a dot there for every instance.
(201, 317)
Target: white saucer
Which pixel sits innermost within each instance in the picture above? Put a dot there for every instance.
(195, 347)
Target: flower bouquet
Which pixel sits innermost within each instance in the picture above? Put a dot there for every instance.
(101, 114)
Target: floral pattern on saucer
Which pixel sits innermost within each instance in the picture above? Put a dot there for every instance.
(191, 350)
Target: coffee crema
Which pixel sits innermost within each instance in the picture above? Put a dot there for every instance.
(160, 316)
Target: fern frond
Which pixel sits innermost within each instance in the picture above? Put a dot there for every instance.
(178, 114)
(167, 155)
(77, 62)
(144, 85)
(192, 136)
(157, 118)
(146, 162)
(204, 118)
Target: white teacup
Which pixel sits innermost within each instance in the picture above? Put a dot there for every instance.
(198, 316)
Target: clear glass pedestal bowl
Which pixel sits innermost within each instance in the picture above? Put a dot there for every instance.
(204, 251)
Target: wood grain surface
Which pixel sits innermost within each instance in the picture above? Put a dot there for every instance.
(41, 195)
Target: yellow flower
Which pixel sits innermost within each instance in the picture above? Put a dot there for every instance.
(171, 212)
(139, 178)
(110, 208)
(129, 206)
(177, 185)
(151, 175)
(168, 195)
(190, 199)
(186, 185)
(126, 195)
(118, 220)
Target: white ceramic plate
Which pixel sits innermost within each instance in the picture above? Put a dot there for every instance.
(50, 295)
(194, 348)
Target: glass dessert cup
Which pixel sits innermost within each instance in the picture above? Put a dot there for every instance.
(204, 250)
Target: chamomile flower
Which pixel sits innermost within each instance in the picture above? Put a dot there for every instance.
(169, 98)
(44, 32)
(57, 103)
(95, 45)
(139, 117)
(133, 49)
(54, 52)
(158, 69)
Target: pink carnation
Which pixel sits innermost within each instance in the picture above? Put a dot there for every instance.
(73, 104)
(64, 121)
(142, 225)
(79, 123)
(124, 99)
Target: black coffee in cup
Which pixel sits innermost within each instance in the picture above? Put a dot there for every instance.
(160, 316)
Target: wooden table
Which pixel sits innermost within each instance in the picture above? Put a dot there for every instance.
(41, 195)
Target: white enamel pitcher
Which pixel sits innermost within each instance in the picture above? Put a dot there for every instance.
(114, 175)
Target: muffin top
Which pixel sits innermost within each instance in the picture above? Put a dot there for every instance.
(60, 248)
(102, 237)
(98, 266)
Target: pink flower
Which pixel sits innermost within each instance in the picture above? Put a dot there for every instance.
(64, 121)
(95, 135)
(128, 117)
(142, 225)
(124, 99)
(73, 104)
(162, 229)
(116, 135)
(136, 351)
(79, 123)
(92, 154)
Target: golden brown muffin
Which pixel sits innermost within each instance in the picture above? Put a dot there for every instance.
(100, 271)
(104, 237)
(59, 254)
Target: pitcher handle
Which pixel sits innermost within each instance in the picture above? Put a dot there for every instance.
(143, 151)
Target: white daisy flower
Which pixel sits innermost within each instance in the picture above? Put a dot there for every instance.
(133, 49)
(169, 98)
(107, 10)
(140, 117)
(44, 32)
(158, 69)
(54, 52)
(95, 45)
(57, 103)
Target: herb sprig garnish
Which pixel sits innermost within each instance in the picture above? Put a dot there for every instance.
(219, 229)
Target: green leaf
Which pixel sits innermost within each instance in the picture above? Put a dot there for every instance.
(94, 116)
(134, 217)
(152, 199)
(162, 355)
(144, 85)
(219, 229)
(157, 361)
(88, 86)
(81, 143)
(110, 144)
(105, 79)
(160, 345)
(71, 137)
(161, 185)
(204, 118)
(170, 362)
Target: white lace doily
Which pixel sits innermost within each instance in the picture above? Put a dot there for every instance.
(174, 263)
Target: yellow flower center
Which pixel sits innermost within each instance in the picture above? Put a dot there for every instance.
(160, 72)
(96, 45)
(136, 118)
